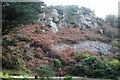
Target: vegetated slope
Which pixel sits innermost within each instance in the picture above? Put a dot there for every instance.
(31, 46)
(51, 51)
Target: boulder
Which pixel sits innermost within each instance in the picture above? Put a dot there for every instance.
(53, 26)
(101, 31)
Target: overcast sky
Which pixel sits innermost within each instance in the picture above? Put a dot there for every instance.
(100, 7)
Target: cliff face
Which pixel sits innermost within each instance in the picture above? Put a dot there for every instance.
(88, 20)
(83, 18)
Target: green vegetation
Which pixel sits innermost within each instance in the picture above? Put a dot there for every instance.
(78, 56)
(68, 77)
(23, 39)
(8, 63)
(70, 12)
(115, 45)
(4, 75)
(94, 67)
(117, 56)
(15, 13)
(85, 10)
(12, 72)
(112, 20)
(83, 64)
(57, 63)
(44, 70)
(109, 33)
(115, 42)
(9, 42)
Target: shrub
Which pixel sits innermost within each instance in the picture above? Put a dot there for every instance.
(115, 49)
(117, 56)
(83, 54)
(7, 43)
(115, 68)
(85, 66)
(38, 31)
(4, 75)
(112, 20)
(21, 38)
(110, 33)
(114, 43)
(57, 63)
(85, 10)
(11, 63)
(93, 67)
(44, 70)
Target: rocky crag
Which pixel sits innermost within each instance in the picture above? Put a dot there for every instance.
(84, 18)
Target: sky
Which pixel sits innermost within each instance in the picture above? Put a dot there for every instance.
(100, 7)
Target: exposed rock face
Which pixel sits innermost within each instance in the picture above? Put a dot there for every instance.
(101, 31)
(88, 20)
(94, 46)
(53, 26)
(52, 19)
(84, 19)
(99, 47)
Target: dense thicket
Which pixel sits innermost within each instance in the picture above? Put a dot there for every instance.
(14, 13)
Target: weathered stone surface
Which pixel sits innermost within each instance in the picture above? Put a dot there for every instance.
(95, 46)
(101, 31)
(84, 19)
(53, 26)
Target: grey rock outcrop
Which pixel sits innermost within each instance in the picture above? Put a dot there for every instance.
(84, 19)
(101, 31)
(95, 46)
(53, 26)
(89, 20)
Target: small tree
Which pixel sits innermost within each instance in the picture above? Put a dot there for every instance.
(112, 20)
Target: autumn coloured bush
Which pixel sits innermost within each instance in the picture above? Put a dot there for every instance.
(61, 72)
(65, 57)
(35, 49)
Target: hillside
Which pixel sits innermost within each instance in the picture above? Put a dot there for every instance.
(63, 43)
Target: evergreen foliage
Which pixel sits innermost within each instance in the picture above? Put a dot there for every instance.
(14, 13)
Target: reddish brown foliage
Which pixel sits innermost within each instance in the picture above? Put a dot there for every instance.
(65, 57)
(61, 72)
(7, 56)
(20, 43)
(13, 48)
(46, 40)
